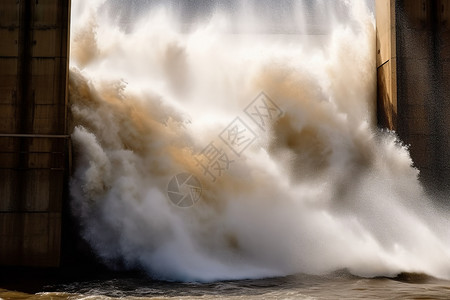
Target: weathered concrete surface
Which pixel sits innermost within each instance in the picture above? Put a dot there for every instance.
(33, 141)
(413, 61)
(386, 64)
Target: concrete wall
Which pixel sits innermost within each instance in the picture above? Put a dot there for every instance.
(33, 130)
(413, 67)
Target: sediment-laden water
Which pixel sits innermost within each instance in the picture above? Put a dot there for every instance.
(339, 285)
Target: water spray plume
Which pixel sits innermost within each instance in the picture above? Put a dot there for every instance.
(317, 189)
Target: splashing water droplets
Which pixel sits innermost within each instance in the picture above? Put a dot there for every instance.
(160, 92)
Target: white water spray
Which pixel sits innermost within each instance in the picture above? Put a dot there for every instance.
(320, 189)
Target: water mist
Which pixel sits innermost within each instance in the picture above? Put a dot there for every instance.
(319, 188)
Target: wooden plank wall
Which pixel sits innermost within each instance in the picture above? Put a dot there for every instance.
(34, 143)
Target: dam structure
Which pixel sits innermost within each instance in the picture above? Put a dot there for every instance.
(413, 73)
(34, 144)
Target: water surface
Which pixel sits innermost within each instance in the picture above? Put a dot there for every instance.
(338, 285)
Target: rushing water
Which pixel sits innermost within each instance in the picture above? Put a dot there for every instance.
(289, 174)
(233, 143)
(339, 285)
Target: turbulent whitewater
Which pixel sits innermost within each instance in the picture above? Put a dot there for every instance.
(315, 188)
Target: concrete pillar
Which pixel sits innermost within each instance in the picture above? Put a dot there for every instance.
(413, 68)
(34, 39)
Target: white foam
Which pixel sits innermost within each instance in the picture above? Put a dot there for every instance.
(323, 190)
